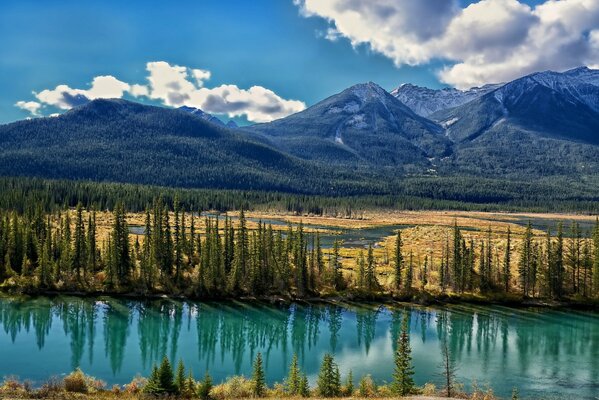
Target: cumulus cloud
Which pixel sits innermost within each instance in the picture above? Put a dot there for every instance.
(65, 97)
(177, 86)
(174, 86)
(488, 41)
(31, 106)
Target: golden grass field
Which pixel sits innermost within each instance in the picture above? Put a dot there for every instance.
(425, 236)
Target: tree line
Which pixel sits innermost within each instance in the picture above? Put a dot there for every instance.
(40, 251)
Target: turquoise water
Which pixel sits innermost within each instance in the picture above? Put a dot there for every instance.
(545, 354)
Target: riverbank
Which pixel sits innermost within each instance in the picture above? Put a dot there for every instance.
(78, 386)
(419, 298)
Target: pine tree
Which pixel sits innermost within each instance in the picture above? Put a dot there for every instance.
(180, 378)
(153, 385)
(595, 273)
(205, 387)
(410, 272)
(361, 271)
(79, 255)
(371, 281)
(304, 389)
(507, 274)
(258, 378)
(526, 260)
(349, 385)
(328, 378)
(403, 383)
(398, 262)
(294, 377)
(165, 377)
(448, 368)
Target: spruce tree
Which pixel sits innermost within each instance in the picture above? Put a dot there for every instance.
(258, 378)
(294, 377)
(403, 383)
(398, 260)
(349, 385)
(153, 386)
(205, 387)
(507, 273)
(180, 378)
(328, 378)
(165, 376)
(304, 389)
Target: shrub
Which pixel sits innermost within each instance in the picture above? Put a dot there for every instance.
(75, 382)
(367, 387)
(78, 382)
(136, 385)
(234, 388)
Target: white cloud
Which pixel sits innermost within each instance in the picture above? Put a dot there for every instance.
(174, 86)
(32, 106)
(65, 97)
(201, 75)
(488, 41)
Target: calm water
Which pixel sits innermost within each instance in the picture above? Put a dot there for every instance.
(546, 354)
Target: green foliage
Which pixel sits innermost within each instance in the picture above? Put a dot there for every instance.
(205, 387)
(180, 379)
(328, 382)
(403, 383)
(258, 377)
(294, 378)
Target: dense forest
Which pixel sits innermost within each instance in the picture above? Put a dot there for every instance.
(62, 251)
(21, 194)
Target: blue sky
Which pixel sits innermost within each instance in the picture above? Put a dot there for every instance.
(266, 43)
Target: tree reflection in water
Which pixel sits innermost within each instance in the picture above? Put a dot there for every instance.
(537, 351)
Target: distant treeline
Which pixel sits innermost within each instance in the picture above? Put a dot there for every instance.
(424, 193)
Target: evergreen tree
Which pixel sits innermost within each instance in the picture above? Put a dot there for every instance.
(371, 281)
(79, 255)
(507, 274)
(526, 261)
(398, 262)
(304, 389)
(205, 387)
(328, 378)
(410, 272)
(258, 378)
(349, 385)
(294, 377)
(153, 385)
(180, 379)
(165, 377)
(403, 383)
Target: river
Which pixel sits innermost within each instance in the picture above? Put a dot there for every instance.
(544, 353)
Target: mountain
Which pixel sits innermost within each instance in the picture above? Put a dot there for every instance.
(122, 141)
(552, 104)
(543, 124)
(363, 124)
(208, 117)
(536, 137)
(424, 101)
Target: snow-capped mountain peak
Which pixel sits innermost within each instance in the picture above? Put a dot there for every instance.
(424, 101)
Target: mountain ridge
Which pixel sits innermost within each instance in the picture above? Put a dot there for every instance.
(543, 126)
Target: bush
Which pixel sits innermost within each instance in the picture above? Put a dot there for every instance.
(234, 388)
(78, 382)
(136, 385)
(75, 382)
(367, 387)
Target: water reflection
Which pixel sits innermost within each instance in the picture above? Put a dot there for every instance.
(543, 353)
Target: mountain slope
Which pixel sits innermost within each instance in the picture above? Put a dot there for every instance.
(361, 125)
(554, 105)
(117, 140)
(424, 101)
